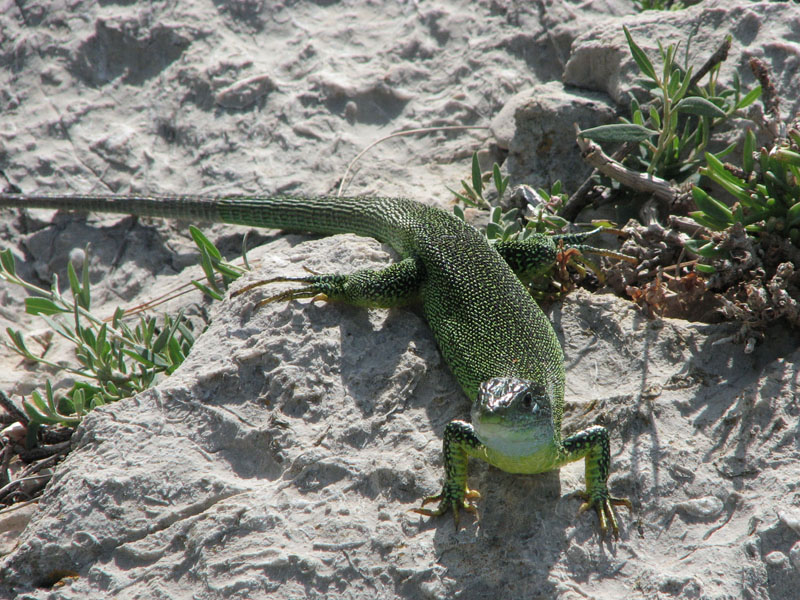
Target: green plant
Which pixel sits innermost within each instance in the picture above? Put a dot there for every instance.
(502, 226)
(643, 5)
(114, 360)
(765, 190)
(507, 225)
(672, 131)
(212, 264)
(473, 194)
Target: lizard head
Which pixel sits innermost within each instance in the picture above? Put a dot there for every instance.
(513, 410)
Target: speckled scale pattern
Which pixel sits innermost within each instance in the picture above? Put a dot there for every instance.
(592, 443)
(458, 443)
(485, 322)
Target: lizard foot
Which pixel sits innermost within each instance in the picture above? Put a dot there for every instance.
(604, 506)
(309, 291)
(447, 501)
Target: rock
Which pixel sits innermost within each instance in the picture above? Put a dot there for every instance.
(287, 450)
(537, 126)
(281, 460)
(13, 521)
(600, 59)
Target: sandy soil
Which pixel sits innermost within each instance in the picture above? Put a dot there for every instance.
(282, 459)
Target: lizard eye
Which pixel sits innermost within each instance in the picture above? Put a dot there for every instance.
(527, 401)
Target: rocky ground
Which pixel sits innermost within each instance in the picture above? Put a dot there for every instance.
(282, 459)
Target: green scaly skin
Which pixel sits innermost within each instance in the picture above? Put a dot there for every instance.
(497, 341)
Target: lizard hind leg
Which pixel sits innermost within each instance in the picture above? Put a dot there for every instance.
(307, 291)
(576, 241)
(395, 285)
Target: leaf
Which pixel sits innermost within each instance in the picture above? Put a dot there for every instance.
(695, 105)
(86, 298)
(786, 155)
(102, 347)
(707, 269)
(462, 197)
(603, 224)
(459, 212)
(138, 357)
(493, 230)
(19, 342)
(38, 416)
(79, 402)
(510, 215)
(48, 388)
(687, 77)
(208, 269)
(674, 83)
(228, 270)
(702, 219)
(74, 283)
(477, 180)
(719, 174)
(748, 162)
(39, 403)
(187, 335)
(42, 306)
(60, 328)
(80, 293)
(511, 229)
(208, 291)
(474, 196)
(673, 121)
(7, 262)
(618, 132)
(711, 207)
(726, 151)
(750, 97)
(500, 183)
(704, 248)
(655, 117)
(793, 215)
(644, 64)
(204, 243)
(556, 222)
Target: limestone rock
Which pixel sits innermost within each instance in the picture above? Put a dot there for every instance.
(537, 127)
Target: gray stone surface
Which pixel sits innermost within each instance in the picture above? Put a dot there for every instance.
(281, 460)
(600, 59)
(537, 127)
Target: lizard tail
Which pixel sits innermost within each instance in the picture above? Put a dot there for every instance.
(367, 216)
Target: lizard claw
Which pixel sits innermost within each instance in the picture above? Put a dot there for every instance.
(261, 282)
(308, 291)
(604, 506)
(446, 503)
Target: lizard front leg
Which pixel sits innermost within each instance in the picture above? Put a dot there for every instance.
(460, 442)
(593, 444)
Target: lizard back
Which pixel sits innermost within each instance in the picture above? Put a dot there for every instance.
(484, 320)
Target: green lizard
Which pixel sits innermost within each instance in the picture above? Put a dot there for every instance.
(495, 338)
